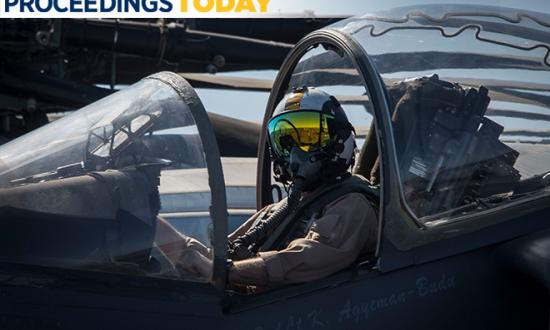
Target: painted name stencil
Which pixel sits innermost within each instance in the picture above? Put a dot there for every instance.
(358, 311)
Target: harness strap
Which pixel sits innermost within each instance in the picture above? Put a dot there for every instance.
(314, 204)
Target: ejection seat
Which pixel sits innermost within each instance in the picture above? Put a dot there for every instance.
(449, 152)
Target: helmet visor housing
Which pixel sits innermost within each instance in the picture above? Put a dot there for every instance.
(305, 129)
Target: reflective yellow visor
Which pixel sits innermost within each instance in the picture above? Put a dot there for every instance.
(305, 129)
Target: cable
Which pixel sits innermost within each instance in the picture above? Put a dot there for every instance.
(242, 247)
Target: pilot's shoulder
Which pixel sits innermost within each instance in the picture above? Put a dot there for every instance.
(352, 200)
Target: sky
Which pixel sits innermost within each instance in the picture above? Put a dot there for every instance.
(244, 105)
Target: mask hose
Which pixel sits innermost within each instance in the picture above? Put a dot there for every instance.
(242, 247)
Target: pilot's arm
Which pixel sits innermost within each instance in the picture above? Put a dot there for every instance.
(188, 254)
(347, 228)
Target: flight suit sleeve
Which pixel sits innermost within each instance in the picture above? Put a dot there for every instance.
(347, 228)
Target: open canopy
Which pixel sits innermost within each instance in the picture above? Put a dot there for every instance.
(507, 51)
(85, 191)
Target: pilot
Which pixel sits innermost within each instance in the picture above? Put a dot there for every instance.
(321, 228)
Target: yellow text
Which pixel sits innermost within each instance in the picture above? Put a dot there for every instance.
(225, 6)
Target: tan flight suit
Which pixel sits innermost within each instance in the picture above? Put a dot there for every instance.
(347, 228)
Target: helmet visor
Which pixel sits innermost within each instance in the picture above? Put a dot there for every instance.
(307, 130)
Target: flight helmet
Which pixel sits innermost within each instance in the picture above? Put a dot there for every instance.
(310, 138)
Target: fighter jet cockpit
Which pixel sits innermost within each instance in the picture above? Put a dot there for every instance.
(84, 191)
(450, 106)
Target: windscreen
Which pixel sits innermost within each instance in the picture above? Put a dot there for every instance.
(90, 190)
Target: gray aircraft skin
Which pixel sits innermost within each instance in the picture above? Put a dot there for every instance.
(78, 212)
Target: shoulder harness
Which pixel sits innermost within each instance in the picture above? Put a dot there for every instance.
(297, 224)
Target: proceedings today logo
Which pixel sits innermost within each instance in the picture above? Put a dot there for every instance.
(131, 8)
